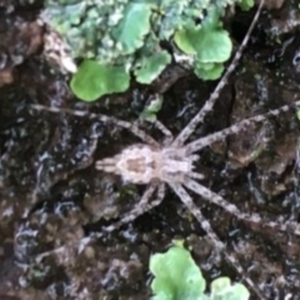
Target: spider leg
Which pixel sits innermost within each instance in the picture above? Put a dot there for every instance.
(142, 207)
(103, 118)
(229, 207)
(208, 106)
(236, 128)
(163, 129)
(79, 245)
(187, 200)
(167, 133)
(197, 175)
(107, 164)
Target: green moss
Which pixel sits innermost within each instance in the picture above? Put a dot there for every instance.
(130, 33)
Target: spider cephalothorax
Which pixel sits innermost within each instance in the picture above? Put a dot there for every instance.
(142, 164)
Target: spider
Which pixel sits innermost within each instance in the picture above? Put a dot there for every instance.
(172, 163)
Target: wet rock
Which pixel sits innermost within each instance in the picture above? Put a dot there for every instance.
(244, 149)
(20, 38)
(273, 4)
(54, 204)
(286, 20)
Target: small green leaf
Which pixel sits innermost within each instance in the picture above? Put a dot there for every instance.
(209, 43)
(214, 46)
(220, 284)
(151, 67)
(208, 71)
(177, 277)
(185, 40)
(149, 113)
(221, 289)
(298, 114)
(93, 80)
(130, 32)
(205, 66)
(246, 4)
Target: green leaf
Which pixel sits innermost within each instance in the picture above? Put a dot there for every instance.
(209, 43)
(130, 32)
(246, 4)
(212, 20)
(221, 289)
(185, 40)
(172, 12)
(151, 67)
(177, 277)
(152, 109)
(214, 46)
(208, 71)
(93, 80)
(298, 114)
(220, 284)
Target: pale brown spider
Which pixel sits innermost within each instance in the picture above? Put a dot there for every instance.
(172, 163)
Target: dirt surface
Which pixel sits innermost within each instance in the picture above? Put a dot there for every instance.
(51, 196)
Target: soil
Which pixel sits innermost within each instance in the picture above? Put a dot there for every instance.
(52, 196)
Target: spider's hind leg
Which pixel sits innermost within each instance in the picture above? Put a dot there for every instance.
(255, 218)
(142, 207)
(187, 200)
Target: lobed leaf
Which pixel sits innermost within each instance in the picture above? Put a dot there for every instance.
(149, 112)
(151, 67)
(210, 45)
(246, 4)
(221, 289)
(209, 71)
(176, 275)
(93, 80)
(132, 29)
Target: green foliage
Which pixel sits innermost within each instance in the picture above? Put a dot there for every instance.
(298, 114)
(208, 71)
(149, 113)
(93, 80)
(246, 4)
(177, 277)
(210, 44)
(150, 67)
(129, 34)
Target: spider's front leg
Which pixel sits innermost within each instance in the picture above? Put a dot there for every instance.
(209, 104)
(168, 135)
(102, 118)
(142, 207)
(187, 200)
(236, 128)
